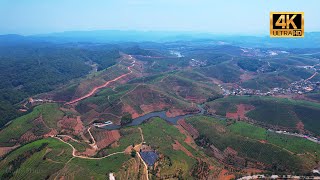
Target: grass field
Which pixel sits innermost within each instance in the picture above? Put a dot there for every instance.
(98, 169)
(295, 144)
(273, 111)
(160, 135)
(50, 115)
(47, 158)
(26, 162)
(246, 140)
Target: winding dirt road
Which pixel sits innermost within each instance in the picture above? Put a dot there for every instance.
(94, 144)
(144, 163)
(311, 76)
(95, 89)
(85, 157)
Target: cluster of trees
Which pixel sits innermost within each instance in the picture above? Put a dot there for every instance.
(126, 119)
(250, 64)
(29, 69)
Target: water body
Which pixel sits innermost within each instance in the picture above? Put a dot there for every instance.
(160, 114)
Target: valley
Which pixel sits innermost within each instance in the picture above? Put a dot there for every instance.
(183, 110)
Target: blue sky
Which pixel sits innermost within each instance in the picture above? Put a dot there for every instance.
(216, 16)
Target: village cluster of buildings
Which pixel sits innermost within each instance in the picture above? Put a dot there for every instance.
(297, 87)
(197, 63)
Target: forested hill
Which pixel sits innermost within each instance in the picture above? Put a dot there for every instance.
(29, 68)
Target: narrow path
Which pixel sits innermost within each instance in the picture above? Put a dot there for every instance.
(85, 157)
(145, 165)
(95, 89)
(68, 137)
(94, 144)
(311, 76)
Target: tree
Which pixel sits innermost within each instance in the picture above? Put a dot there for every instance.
(133, 153)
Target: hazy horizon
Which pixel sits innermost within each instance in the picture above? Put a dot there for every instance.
(246, 17)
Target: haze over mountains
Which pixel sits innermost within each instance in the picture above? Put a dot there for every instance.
(311, 39)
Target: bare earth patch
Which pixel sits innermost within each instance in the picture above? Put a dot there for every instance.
(153, 107)
(5, 150)
(51, 133)
(189, 128)
(242, 109)
(106, 138)
(28, 136)
(246, 76)
(250, 171)
(175, 112)
(71, 125)
(225, 175)
(300, 127)
(189, 140)
(129, 109)
(178, 146)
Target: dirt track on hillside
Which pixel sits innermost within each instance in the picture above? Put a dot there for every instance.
(95, 89)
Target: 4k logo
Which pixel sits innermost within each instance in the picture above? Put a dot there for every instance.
(287, 24)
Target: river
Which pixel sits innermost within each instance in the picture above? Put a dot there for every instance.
(161, 114)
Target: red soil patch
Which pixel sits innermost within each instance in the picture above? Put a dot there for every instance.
(93, 106)
(79, 125)
(250, 171)
(175, 112)
(105, 138)
(51, 133)
(90, 116)
(129, 109)
(263, 141)
(189, 140)
(216, 81)
(300, 127)
(225, 175)
(241, 111)
(5, 150)
(153, 107)
(189, 128)
(128, 149)
(28, 136)
(246, 76)
(89, 152)
(96, 88)
(178, 146)
(73, 125)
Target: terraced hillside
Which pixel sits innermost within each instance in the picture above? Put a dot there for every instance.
(239, 145)
(296, 115)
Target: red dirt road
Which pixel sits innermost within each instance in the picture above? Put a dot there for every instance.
(95, 89)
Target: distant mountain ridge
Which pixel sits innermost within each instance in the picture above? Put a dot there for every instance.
(311, 39)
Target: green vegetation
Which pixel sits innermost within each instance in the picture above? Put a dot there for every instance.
(273, 111)
(79, 146)
(31, 69)
(98, 169)
(250, 64)
(160, 135)
(50, 115)
(246, 140)
(248, 130)
(126, 119)
(39, 159)
(44, 158)
(129, 136)
(225, 72)
(314, 96)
